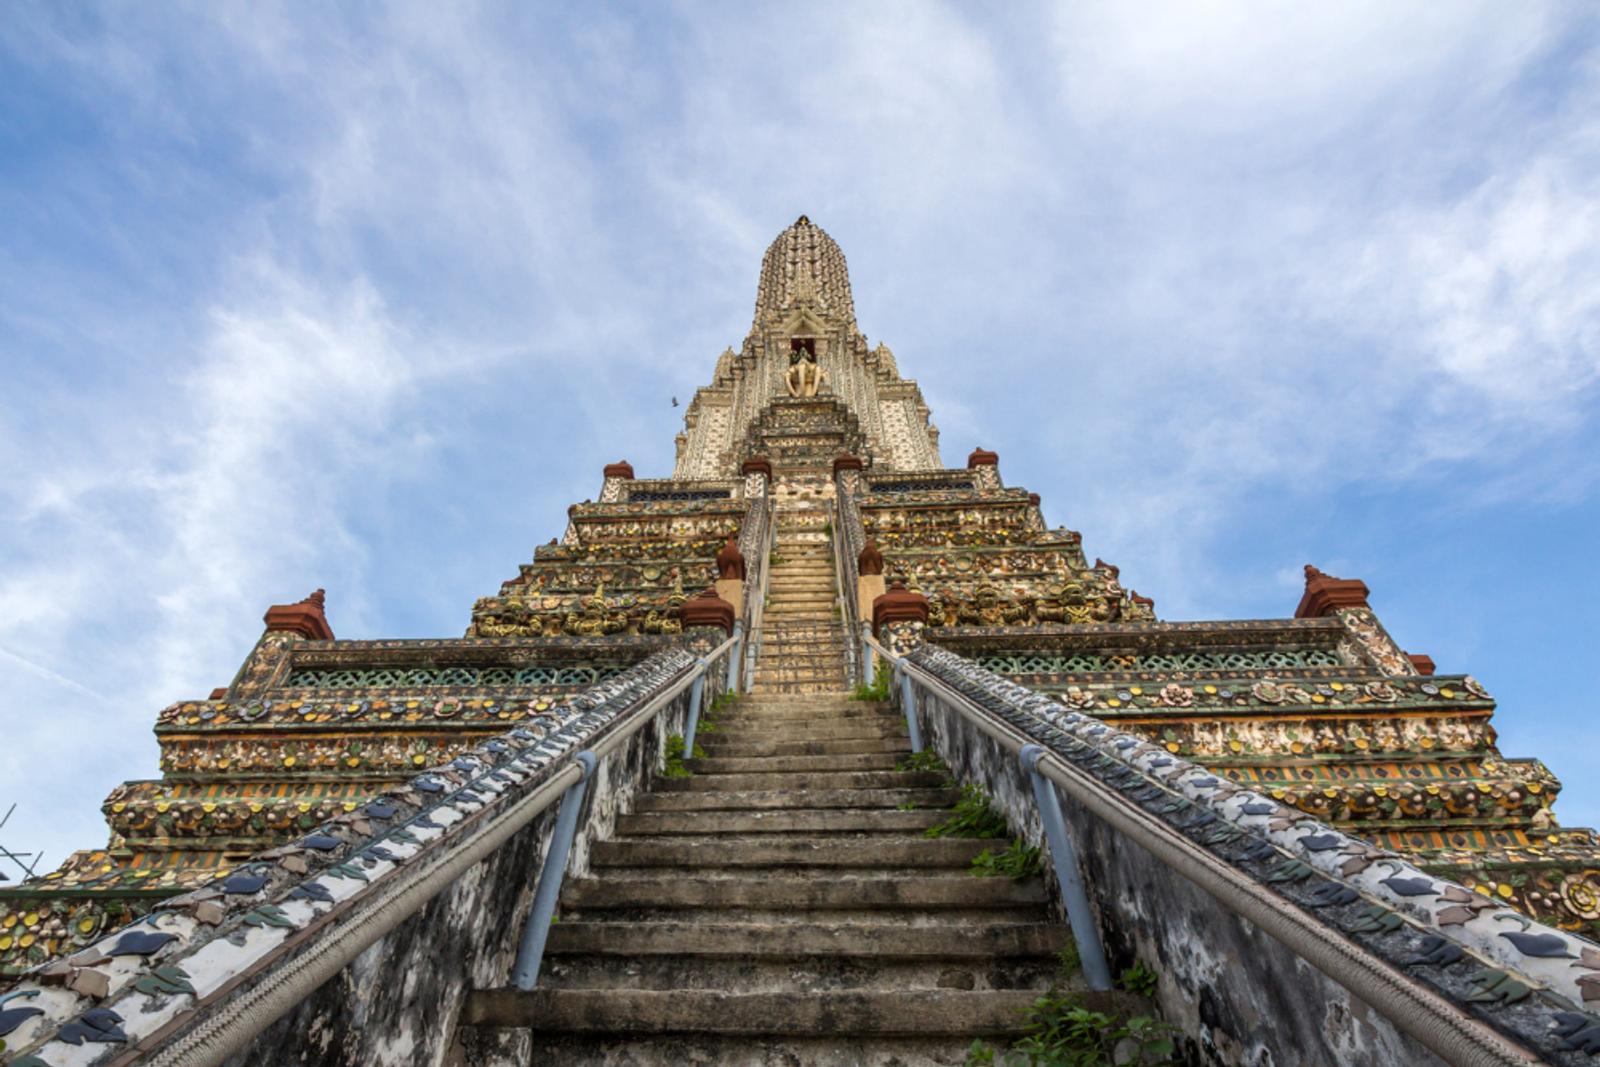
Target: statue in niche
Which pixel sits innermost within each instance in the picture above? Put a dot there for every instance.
(804, 377)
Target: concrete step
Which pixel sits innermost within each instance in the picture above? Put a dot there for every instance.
(717, 745)
(783, 821)
(799, 799)
(814, 637)
(831, 939)
(956, 1013)
(813, 974)
(820, 722)
(891, 847)
(810, 892)
(781, 713)
(744, 732)
(488, 1047)
(776, 781)
(867, 761)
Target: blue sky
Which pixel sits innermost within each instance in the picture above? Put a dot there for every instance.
(363, 296)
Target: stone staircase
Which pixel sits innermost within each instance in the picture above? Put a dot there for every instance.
(802, 637)
(781, 906)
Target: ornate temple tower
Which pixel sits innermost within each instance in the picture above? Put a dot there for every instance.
(1333, 808)
(805, 317)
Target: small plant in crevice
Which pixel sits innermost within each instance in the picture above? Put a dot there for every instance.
(926, 760)
(1139, 980)
(1019, 861)
(877, 691)
(910, 805)
(973, 816)
(1071, 963)
(1061, 1031)
(675, 767)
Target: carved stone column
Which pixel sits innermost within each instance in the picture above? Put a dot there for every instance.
(985, 468)
(614, 488)
(899, 618)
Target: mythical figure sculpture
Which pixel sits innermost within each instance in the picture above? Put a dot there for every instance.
(804, 377)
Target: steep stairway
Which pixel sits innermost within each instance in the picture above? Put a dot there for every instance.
(802, 639)
(782, 905)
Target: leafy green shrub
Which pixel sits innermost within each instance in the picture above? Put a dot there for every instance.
(926, 760)
(877, 691)
(973, 816)
(675, 767)
(1063, 1033)
(1139, 980)
(1017, 862)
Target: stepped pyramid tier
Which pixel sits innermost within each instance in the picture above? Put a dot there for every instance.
(764, 891)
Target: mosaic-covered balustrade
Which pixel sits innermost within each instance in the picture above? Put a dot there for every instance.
(310, 731)
(1303, 711)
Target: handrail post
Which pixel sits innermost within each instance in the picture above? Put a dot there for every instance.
(908, 701)
(869, 676)
(1084, 931)
(733, 656)
(696, 692)
(530, 953)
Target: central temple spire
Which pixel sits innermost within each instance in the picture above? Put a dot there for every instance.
(804, 267)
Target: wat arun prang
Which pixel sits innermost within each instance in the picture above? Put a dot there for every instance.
(1323, 710)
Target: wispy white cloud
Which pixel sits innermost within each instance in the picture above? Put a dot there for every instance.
(377, 292)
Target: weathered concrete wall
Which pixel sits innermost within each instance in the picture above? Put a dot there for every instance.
(1239, 996)
(396, 1004)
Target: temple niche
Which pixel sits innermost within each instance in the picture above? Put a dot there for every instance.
(804, 378)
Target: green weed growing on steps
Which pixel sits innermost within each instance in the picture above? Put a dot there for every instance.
(675, 767)
(1071, 962)
(1019, 861)
(910, 805)
(926, 760)
(973, 816)
(720, 703)
(1060, 1032)
(877, 691)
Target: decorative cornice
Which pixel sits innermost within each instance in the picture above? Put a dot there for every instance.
(847, 463)
(870, 561)
(982, 457)
(1326, 594)
(708, 609)
(730, 561)
(307, 618)
(898, 605)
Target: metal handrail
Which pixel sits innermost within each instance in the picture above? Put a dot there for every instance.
(1412, 1008)
(758, 600)
(530, 952)
(845, 592)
